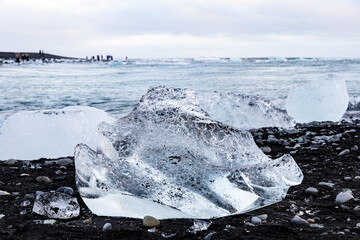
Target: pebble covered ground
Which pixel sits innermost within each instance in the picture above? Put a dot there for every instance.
(325, 206)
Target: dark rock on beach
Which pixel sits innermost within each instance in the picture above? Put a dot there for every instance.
(309, 211)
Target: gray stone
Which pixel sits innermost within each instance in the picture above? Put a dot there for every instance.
(263, 217)
(66, 190)
(106, 227)
(23, 212)
(354, 148)
(327, 184)
(10, 162)
(343, 197)
(43, 179)
(87, 221)
(272, 140)
(266, 149)
(311, 190)
(296, 220)
(150, 222)
(357, 208)
(4, 193)
(316, 225)
(209, 236)
(1, 216)
(29, 196)
(347, 178)
(25, 203)
(344, 152)
(255, 220)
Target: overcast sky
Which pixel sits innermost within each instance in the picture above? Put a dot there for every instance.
(182, 28)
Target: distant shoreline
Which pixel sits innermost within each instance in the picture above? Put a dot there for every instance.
(32, 55)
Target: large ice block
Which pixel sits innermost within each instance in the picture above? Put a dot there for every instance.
(168, 158)
(320, 100)
(30, 135)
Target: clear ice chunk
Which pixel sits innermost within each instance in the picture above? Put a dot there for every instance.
(29, 135)
(321, 100)
(169, 159)
(56, 205)
(242, 111)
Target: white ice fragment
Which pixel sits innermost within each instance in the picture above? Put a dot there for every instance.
(243, 112)
(56, 205)
(169, 159)
(200, 225)
(320, 100)
(32, 135)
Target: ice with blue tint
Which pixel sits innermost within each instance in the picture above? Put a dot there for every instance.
(29, 135)
(321, 100)
(170, 159)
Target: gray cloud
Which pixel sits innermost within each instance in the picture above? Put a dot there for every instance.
(251, 27)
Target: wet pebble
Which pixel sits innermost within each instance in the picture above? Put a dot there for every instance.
(344, 152)
(106, 227)
(1, 216)
(263, 217)
(354, 148)
(343, 197)
(266, 149)
(255, 220)
(25, 203)
(87, 221)
(23, 212)
(150, 222)
(312, 191)
(66, 190)
(29, 196)
(4, 193)
(25, 175)
(43, 179)
(296, 220)
(326, 184)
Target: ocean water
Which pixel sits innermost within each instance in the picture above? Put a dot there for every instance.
(116, 87)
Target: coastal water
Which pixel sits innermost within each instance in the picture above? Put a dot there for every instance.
(116, 87)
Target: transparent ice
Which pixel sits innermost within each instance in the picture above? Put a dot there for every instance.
(56, 205)
(243, 112)
(30, 135)
(169, 159)
(321, 100)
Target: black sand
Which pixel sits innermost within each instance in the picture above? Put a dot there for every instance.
(319, 163)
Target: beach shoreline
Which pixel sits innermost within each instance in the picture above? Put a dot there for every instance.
(316, 147)
(32, 55)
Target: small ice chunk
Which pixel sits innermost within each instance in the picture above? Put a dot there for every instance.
(56, 205)
(200, 225)
(320, 100)
(32, 135)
